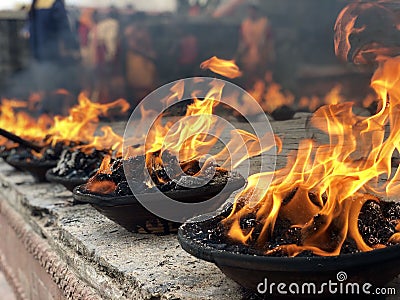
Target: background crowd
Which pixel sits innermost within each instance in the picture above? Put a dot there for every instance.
(110, 52)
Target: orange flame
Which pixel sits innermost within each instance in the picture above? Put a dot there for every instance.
(323, 187)
(189, 138)
(227, 68)
(109, 141)
(21, 123)
(194, 136)
(270, 95)
(82, 121)
(80, 126)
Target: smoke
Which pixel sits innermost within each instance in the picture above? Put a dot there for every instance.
(45, 78)
(149, 5)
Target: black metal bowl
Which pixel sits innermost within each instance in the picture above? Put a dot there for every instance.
(130, 214)
(5, 153)
(69, 183)
(377, 267)
(37, 169)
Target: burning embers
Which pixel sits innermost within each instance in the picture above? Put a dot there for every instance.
(176, 152)
(164, 175)
(372, 222)
(83, 161)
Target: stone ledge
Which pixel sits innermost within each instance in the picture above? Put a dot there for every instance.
(117, 264)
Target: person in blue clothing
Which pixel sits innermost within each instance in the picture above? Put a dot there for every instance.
(49, 30)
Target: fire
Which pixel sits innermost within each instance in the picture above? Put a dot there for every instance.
(102, 187)
(78, 127)
(227, 68)
(274, 97)
(192, 137)
(108, 141)
(334, 96)
(195, 135)
(323, 187)
(271, 96)
(14, 119)
(81, 123)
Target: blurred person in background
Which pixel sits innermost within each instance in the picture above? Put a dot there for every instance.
(140, 62)
(54, 50)
(127, 16)
(227, 8)
(255, 53)
(48, 29)
(102, 57)
(86, 23)
(185, 53)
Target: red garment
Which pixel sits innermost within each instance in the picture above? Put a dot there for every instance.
(83, 32)
(189, 50)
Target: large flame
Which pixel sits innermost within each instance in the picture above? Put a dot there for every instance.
(323, 187)
(192, 137)
(81, 123)
(109, 141)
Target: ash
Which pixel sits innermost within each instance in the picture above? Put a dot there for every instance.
(77, 164)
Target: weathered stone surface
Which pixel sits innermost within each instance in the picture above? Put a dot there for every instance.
(5, 289)
(117, 263)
